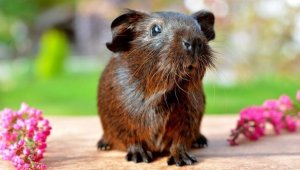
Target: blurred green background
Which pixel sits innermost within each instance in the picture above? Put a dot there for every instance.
(52, 52)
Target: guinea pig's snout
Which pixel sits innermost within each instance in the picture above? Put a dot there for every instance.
(190, 63)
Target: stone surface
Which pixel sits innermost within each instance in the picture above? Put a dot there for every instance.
(72, 146)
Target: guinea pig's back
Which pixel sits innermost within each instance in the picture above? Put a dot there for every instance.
(115, 121)
(107, 93)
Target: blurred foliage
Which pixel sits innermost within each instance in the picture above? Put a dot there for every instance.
(254, 39)
(20, 16)
(27, 10)
(53, 51)
(259, 34)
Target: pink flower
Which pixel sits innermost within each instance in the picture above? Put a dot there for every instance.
(16, 137)
(275, 118)
(21, 142)
(24, 108)
(45, 122)
(271, 104)
(42, 146)
(298, 95)
(253, 119)
(7, 154)
(255, 113)
(251, 122)
(42, 167)
(285, 103)
(290, 123)
(232, 142)
(26, 151)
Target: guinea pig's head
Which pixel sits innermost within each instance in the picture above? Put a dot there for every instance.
(168, 44)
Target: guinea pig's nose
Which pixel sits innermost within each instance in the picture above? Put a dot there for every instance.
(187, 45)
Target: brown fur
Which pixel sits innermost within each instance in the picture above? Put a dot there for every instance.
(150, 96)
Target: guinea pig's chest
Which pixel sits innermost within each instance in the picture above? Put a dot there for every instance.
(161, 112)
(171, 123)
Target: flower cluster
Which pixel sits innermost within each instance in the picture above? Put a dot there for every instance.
(23, 135)
(277, 112)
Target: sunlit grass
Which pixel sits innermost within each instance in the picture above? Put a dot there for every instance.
(75, 94)
(231, 99)
(68, 94)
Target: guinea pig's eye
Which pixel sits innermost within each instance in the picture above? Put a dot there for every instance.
(155, 30)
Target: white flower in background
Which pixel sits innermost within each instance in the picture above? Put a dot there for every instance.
(220, 8)
(241, 40)
(194, 5)
(296, 33)
(271, 8)
(293, 3)
(223, 76)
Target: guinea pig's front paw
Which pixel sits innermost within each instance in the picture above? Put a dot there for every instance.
(103, 145)
(137, 153)
(200, 142)
(181, 159)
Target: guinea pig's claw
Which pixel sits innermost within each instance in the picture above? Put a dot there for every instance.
(138, 154)
(181, 159)
(102, 145)
(200, 142)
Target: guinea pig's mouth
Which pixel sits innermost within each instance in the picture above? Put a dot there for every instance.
(190, 73)
(190, 69)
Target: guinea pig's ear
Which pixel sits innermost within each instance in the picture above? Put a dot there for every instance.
(123, 30)
(206, 21)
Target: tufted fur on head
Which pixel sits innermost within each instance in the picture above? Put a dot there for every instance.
(151, 59)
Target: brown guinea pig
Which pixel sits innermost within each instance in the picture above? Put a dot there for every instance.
(150, 97)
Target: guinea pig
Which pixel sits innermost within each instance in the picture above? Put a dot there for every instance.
(150, 95)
